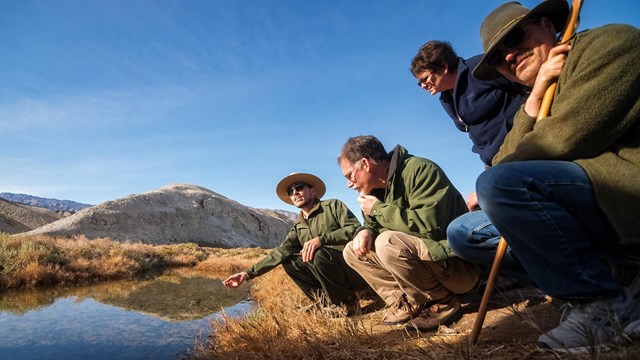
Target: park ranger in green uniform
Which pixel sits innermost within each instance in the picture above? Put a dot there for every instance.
(311, 253)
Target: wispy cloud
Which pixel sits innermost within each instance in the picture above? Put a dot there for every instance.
(97, 109)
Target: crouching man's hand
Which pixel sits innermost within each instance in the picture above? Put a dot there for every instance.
(361, 243)
(236, 280)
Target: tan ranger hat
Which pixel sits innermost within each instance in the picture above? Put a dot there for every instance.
(314, 181)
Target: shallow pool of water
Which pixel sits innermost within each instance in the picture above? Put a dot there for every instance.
(152, 319)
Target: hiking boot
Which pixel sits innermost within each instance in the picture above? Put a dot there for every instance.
(351, 306)
(588, 326)
(401, 312)
(432, 316)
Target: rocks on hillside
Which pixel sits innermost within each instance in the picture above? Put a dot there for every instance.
(176, 213)
(17, 218)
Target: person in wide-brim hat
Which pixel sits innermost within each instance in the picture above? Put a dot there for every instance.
(293, 178)
(507, 17)
(311, 252)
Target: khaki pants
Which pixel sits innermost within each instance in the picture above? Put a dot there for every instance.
(401, 264)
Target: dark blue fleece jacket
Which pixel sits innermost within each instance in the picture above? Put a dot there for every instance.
(484, 109)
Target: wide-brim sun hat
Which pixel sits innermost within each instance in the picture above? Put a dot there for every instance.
(497, 25)
(314, 181)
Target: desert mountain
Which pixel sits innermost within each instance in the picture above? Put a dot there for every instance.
(17, 218)
(176, 213)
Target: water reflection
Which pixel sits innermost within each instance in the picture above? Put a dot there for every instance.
(152, 319)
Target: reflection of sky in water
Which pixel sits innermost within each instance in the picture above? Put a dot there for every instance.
(83, 328)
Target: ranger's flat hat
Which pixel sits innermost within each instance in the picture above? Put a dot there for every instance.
(314, 181)
(497, 25)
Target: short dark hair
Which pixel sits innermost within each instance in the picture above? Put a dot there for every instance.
(434, 56)
(363, 146)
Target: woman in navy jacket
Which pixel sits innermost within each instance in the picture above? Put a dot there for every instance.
(484, 109)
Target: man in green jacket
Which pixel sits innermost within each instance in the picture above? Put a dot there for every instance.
(565, 191)
(402, 250)
(311, 253)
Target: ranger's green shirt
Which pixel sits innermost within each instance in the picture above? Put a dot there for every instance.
(330, 220)
(419, 200)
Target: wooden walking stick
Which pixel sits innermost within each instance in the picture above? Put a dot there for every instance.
(567, 34)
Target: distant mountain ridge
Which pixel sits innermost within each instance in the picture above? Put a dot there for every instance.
(47, 203)
(16, 218)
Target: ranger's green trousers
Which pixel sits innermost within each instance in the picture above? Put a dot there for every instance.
(326, 276)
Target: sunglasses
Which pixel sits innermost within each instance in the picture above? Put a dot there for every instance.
(513, 39)
(295, 187)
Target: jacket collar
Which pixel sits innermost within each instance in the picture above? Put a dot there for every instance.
(397, 157)
(301, 219)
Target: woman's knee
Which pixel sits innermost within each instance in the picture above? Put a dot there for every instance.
(459, 228)
(461, 247)
(470, 233)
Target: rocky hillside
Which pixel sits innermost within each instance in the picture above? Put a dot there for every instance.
(176, 213)
(17, 218)
(60, 206)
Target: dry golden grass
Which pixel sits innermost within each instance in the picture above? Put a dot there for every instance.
(277, 329)
(34, 261)
(229, 261)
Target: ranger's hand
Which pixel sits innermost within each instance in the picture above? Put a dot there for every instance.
(309, 249)
(236, 280)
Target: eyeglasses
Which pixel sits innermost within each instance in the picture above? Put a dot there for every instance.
(295, 187)
(513, 39)
(423, 80)
(351, 175)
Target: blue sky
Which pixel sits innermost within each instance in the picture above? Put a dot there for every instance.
(102, 99)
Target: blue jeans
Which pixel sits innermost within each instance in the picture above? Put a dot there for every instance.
(474, 238)
(547, 212)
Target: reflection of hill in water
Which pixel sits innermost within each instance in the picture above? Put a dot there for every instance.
(185, 299)
(171, 297)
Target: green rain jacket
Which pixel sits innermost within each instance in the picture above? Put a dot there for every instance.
(330, 220)
(593, 122)
(419, 200)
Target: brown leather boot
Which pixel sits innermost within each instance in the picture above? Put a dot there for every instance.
(442, 312)
(402, 312)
